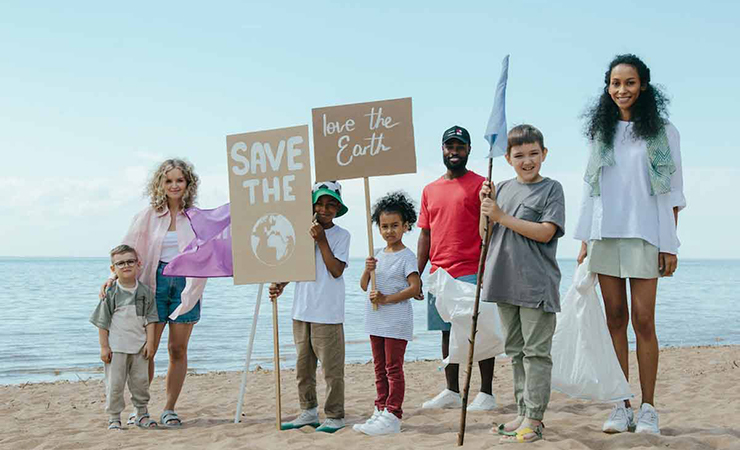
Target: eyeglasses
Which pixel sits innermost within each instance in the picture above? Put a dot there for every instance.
(127, 263)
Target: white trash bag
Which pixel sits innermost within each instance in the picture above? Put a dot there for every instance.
(585, 365)
(455, 301)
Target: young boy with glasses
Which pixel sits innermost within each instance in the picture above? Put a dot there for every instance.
(125, 319)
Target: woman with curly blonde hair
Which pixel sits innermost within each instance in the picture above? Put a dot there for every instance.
(159, 233)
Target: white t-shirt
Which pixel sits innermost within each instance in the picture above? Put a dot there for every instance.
(169, 247)
(322, 301)
(394, 320)
(625, 208)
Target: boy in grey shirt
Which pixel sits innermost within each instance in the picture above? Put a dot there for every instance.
(125, 319)
(527, 214)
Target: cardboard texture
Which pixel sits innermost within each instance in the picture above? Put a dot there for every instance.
(270, 192)
(364, 140)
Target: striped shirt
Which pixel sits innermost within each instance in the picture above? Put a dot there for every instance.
(394, 320)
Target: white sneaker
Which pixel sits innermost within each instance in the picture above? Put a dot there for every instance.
(483, 402)
(386, 423)
(445, 399)
(647, 420)
(620, 420)
(376, 414)
(331, 425)
(307, 417)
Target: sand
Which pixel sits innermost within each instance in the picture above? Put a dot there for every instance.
(698, 397)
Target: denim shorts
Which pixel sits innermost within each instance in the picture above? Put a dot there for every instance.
(169, 290)
(434, 321)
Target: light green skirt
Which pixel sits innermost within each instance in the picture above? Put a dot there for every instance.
(623, 258)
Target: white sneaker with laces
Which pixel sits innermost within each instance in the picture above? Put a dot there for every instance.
(331, 425)
(620, 419)
(647, 420)
(376, 414)
(445, 399)
(386, 423)
(483, 402)
(307, 417)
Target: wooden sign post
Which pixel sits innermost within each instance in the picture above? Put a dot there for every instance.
(270, 193)
(364, 140)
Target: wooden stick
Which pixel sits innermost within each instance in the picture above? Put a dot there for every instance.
(371, 249)
(276, 357)
(239, 404)
(474, 326)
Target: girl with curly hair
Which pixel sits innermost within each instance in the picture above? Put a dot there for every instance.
(628, 218)
(158, 233)
(391, 325)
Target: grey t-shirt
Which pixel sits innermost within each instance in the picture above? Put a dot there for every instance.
(520, 271)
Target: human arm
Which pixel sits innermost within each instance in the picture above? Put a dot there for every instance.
(149, 346)
(370, 264)
(414, 281)
(105, 352)
(537, 231)
(582, 253)
(422, 256)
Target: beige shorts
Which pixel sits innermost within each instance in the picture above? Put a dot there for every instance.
(623, 258)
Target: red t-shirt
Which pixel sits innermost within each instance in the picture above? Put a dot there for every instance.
(450, 209)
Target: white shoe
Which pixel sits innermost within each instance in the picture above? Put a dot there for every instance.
(386, 423)
(445, 399)
(359, 426)
(331, 425)
(483, 402)
(620, 419)
(647, 420)
(307, 417)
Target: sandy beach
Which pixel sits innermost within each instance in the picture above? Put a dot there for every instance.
(697, 394)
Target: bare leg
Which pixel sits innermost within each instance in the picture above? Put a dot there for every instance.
(178, 366)
(158, 330)
(614, 291)
(643, 321)
(486, 375)
(452, 371)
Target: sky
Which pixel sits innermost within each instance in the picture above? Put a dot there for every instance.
(94, 94)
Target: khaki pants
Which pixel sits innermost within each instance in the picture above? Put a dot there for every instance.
(320, 342)
(529, 342)
(123, 367)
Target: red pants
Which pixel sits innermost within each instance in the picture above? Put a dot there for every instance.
(388, 356)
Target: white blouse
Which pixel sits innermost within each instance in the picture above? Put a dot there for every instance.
(625, 208)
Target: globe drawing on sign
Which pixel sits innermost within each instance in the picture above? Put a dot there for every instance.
(273, 239)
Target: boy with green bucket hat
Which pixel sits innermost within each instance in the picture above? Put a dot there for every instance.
(318, 314)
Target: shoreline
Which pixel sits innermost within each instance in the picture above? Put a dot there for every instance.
(695, 392)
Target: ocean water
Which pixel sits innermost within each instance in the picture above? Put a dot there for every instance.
(46, 302)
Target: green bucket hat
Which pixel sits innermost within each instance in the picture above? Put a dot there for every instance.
(332, 189)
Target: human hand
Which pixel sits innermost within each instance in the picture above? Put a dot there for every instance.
(490, 209)
(276, 289)
(582, 253)
(378, 298)
(105, 354)
(108, 283)
(148, 351)
(317, 231)
(420, 295)
(667, 264)
(485, 191)
(370, 264)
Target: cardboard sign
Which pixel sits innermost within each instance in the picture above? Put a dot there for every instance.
(363, 140)
(270, 191)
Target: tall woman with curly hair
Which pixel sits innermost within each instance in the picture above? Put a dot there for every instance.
(159, 233)
(628, 218)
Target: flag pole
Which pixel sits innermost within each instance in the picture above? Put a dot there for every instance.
(474, 326)
(239, 404)
(371, 249)
(276, 356)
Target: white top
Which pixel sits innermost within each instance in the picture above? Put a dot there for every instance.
(394, 320)
(169, 247)
(625, 208)
(322, 300)
(126, 333)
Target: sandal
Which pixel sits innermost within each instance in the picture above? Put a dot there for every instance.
(168, 416)
(114, 425)
(131, 419)
(145, 422)
(501, 430)
(519, 436)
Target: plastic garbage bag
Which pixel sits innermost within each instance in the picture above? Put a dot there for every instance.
(455, 300)
(585, 365)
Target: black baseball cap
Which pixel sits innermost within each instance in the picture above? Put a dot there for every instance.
(456, 132)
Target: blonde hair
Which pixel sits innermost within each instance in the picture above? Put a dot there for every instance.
(155, 187)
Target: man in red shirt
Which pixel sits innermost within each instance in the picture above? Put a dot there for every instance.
(449, 218)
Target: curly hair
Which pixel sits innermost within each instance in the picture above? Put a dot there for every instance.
(648, 113)
(155, 187)
(395, 202)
